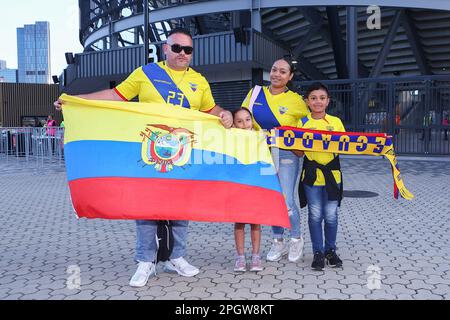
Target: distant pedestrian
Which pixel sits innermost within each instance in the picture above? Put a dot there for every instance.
(50, 130)
(397, 119)
(427, 122)
(51, 124)
(445, 122)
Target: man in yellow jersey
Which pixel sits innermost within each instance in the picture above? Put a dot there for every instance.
(174, 83)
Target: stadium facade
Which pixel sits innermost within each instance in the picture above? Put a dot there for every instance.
(386, 61)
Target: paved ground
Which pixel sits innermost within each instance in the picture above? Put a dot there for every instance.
(44, 246)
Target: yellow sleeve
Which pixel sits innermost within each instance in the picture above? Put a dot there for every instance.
(303, 108)
(207, 99)
(245, 104)
(246, 101)
(341, 126)
(130, 87)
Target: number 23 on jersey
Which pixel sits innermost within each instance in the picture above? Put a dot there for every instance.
(175, 98)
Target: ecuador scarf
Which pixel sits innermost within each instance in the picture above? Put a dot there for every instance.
(127, 160)
(355, 143)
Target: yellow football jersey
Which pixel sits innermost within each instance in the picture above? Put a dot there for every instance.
(269, 111)
(156, 82)
(328, 123)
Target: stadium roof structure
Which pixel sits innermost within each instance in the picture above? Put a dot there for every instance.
(413, 37)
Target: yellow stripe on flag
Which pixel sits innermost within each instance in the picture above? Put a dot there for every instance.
(119, 123)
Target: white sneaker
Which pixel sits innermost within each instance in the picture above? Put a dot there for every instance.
(143, 272)
(181, 266)
(277, 250)
(295, 249)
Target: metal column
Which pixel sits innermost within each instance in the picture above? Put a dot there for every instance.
(352, 42)
(352, 62)
(146, 32)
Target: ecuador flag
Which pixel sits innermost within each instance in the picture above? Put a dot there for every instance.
(128, 160)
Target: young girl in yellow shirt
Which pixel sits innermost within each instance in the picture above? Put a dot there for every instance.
(242, 119)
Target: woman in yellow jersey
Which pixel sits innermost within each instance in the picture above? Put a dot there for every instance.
(321, 181)
(273, 106)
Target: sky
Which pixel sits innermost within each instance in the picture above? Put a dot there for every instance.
(63, 16)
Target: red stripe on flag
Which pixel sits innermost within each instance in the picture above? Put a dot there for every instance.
(171, 199)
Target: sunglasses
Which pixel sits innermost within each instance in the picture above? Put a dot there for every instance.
(178, 48)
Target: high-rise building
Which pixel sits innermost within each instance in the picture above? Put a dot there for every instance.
(33, 53)
(7, 75)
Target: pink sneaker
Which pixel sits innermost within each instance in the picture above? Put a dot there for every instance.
(256, 263)
(240, 265)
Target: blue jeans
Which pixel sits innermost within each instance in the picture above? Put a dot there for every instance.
(146, 239)
(321, 209)
(288, 165)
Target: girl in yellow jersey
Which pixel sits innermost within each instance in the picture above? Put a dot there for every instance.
(274, 106)
(321, 181)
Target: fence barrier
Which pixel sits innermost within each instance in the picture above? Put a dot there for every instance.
(37, 146)
(415, 111)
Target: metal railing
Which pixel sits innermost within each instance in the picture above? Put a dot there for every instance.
(415, 111)
(37, 146)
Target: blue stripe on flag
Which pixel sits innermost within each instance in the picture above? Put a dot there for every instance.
(95, 158)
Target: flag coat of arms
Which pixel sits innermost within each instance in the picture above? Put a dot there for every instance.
(128, 160)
